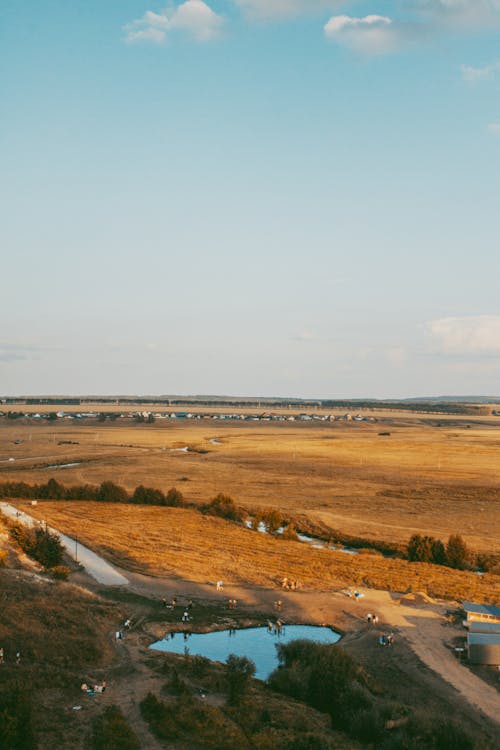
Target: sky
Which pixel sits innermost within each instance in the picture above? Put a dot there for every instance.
(250, 197)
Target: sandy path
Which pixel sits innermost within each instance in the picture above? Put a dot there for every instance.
(95, 565)
(423, 629)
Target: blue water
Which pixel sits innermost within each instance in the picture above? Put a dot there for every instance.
(258, 644)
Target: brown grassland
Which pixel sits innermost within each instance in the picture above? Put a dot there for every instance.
(430, 475)
(184, 543)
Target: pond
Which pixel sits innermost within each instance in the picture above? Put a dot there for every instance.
(258, 644)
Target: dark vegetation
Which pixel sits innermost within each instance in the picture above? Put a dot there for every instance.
(428, 549)
(39, 543)
(112, 732)
(16, 724)
(328, 679)
(61, 635)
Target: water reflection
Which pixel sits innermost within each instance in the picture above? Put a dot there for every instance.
(258, 644)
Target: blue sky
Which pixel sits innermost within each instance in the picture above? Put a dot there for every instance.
(250, 198)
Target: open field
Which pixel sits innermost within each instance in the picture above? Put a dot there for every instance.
(185, 544)
(421, 478)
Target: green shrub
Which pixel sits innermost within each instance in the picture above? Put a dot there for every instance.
(239, 671)
(112, 732)
(60, 572)
(39, 543)
(16, 729)
(224, 507)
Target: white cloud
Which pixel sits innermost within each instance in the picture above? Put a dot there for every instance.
(470, 74)
(280, 9)
(494, 128)
(469, 335)
(371, 34)
(193, 17)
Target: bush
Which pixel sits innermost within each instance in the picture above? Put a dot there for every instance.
(60, 572)
(457, 552)
(224, 507)
(148, 496)
(290, 533)
(111, 732)
(109, 492)
(323, 676)
(239, 671)
(174, 498)
(272, 520)
(39, 544)
(16, 730)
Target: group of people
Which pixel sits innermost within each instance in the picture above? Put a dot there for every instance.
(169, 604)
(2, 656)
(92, 690)
(288, 584)
(386, 640)
(232, 603)
(372, 619)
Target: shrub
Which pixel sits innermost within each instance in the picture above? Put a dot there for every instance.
(272, 520)
(148, 496)
(112, 732)
(174, 497)
(16, 729)
(60, 572)
(457, 552)
(224, 507)
(109, 492)
(239, 670)
(290, 533)
(39, 544)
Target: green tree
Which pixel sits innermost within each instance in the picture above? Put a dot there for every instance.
(174, 497)
(457, 552)
(148, 496)
(109, 492)
(419, 548)
(111, 732)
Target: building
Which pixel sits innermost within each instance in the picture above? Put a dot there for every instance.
(482, 613)
(483, 638)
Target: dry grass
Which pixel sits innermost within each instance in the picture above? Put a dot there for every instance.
(180, 542)
(422, 478)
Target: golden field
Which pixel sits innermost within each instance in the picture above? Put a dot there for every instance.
(183, 543)
(430, 476)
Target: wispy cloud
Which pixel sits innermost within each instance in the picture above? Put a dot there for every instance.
(371, 34)
(266, 10)
(462, 13)
(494, 128)
(468, 335)
(192, 17)
(471, 74)
(17, 352)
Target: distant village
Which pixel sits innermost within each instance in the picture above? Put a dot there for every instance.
(153, 416)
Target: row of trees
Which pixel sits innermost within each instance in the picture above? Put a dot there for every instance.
(106, 492)
(455, 554)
